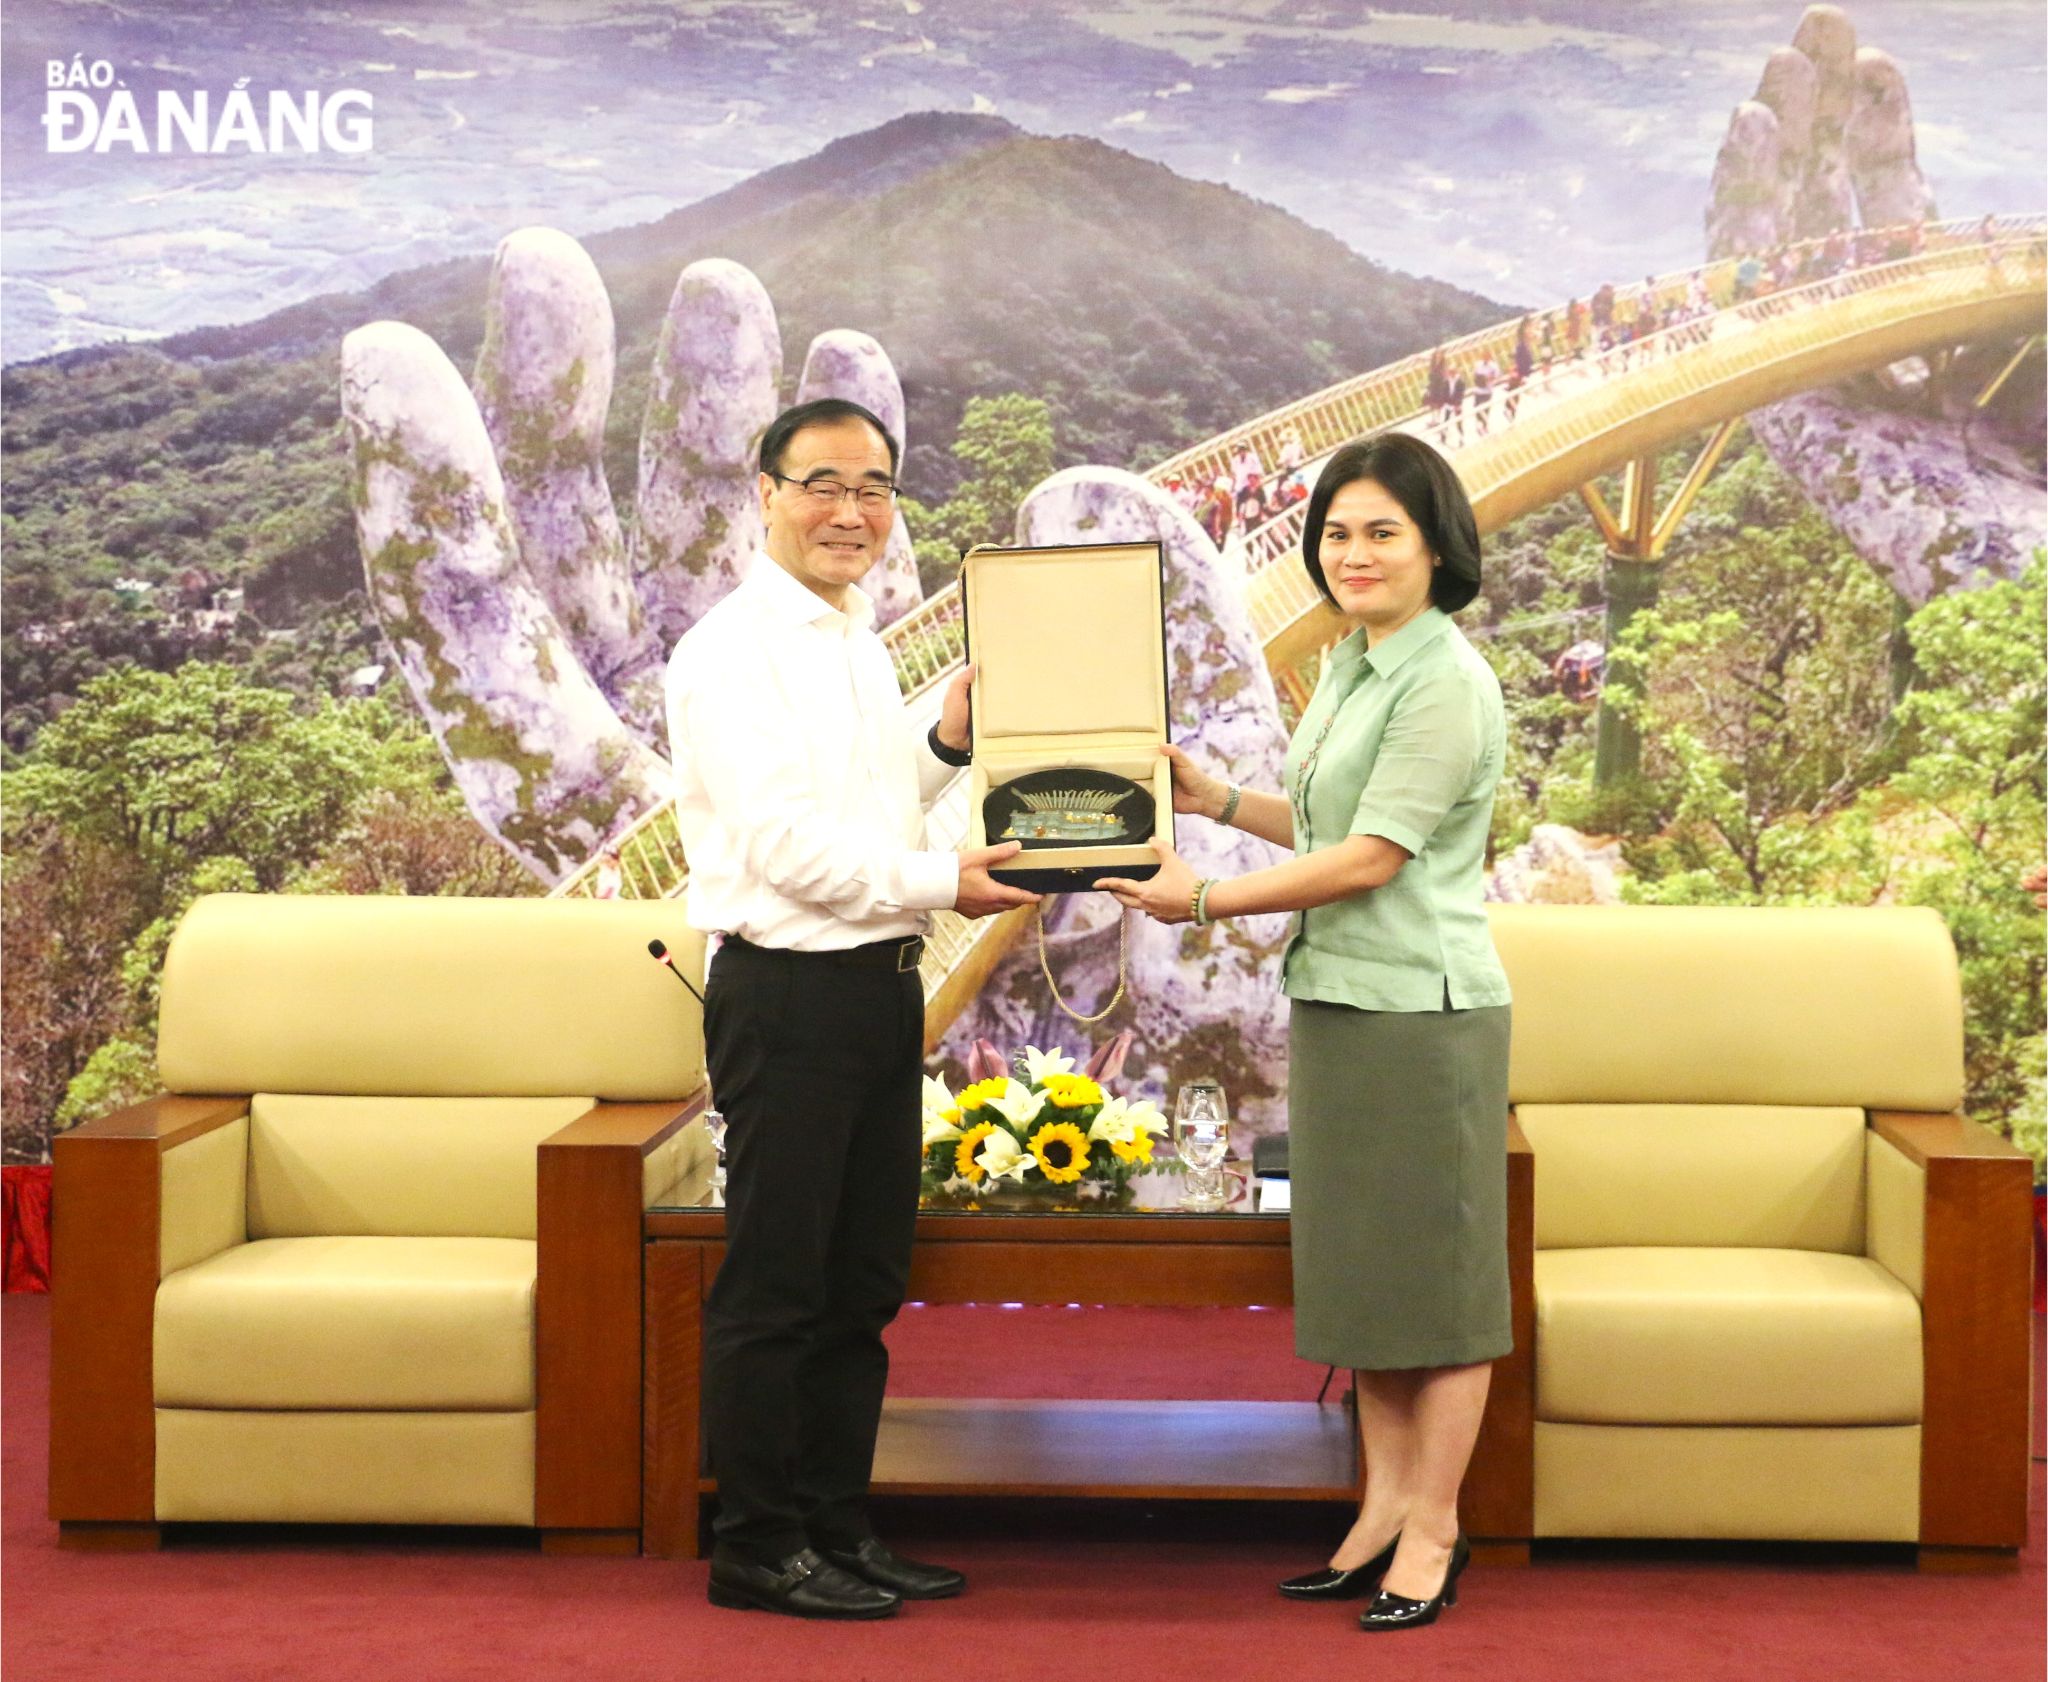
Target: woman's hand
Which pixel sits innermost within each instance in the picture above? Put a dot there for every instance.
(1167, 897)
(1194, 790)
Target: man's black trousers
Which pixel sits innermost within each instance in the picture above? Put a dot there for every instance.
(816, 1065)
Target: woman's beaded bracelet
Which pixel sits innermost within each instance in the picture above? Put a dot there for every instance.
(1230, 801)
(1200, 901)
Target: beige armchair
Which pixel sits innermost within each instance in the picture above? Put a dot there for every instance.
(1768, 1283)
(374, 1255)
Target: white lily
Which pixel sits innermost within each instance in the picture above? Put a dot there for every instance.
(1002, 1158)
(1038, 1064)
(1112, 1124)
(940, 1106)
(1145, 1117)
(1018, 1105)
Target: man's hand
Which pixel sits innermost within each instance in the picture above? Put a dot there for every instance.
(956, 729)
(981, 895)
(1167, 897)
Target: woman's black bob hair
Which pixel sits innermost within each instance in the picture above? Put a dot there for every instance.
(1423, 483)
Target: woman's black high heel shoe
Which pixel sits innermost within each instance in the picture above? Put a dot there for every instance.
(1332, 1584)
(1397, 1611)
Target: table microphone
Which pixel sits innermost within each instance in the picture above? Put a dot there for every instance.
(659, 952)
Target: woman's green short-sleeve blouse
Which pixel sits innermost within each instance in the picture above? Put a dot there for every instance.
(1404, 741)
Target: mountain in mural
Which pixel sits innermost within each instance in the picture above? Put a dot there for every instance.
(1148, 310)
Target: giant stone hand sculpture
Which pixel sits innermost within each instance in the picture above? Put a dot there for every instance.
(1933, 493)
(1202, 1001)
(530, 623)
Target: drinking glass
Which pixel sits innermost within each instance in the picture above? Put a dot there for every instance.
(1201, 1137)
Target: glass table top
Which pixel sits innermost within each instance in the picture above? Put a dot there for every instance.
(1156, 1192)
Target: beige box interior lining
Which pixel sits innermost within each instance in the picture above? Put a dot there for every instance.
(1059, 685)
(1050, 635)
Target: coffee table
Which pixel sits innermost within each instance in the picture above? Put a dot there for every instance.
(1149, 1254)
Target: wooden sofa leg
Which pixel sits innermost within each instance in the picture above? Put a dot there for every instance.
(1497, 1551)
(90, 1536)
(590, 1541)
(1968, 1562)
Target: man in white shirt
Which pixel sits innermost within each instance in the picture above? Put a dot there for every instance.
(800, 795)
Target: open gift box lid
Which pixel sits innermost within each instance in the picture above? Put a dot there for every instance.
(1069, 650)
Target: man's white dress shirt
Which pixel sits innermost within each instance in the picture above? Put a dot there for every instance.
(800, 784)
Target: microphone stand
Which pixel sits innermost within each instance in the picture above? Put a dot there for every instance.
(714, 1122)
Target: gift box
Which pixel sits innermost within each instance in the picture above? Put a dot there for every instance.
(1069, 651)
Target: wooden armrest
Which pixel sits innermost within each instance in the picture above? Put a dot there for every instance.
(587, 1312)
(168, 1118)
(1499, 1498)
(1975, 1307)
(641, 1126)
(106, 1220)
(1926, 1137)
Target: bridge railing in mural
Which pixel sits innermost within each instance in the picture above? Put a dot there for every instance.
(1386, 395)
(927, 644)
(1955, 248)
(1798, 322)
(651, 863)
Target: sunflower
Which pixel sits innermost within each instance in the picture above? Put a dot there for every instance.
(971, 1141)
(1062, 1152)
(1072, 1092)
(1137, 1148)
(982, 1092)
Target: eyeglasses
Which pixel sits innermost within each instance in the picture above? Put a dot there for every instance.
(827, 494)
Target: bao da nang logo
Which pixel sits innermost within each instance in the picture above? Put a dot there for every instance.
(88, 109)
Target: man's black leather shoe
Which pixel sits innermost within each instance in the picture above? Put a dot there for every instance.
(804, 1585)
(877, 1563)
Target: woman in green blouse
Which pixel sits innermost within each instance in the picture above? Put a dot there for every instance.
(1398, 1061)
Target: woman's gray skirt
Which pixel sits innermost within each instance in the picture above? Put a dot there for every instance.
(1397, 1149)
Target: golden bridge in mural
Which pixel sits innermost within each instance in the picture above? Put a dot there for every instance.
(1578, 420)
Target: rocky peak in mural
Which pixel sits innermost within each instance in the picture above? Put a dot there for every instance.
(1934, 489)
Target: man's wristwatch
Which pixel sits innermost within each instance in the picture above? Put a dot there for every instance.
(946, 755)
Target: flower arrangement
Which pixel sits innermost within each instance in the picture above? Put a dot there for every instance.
(1055, 1131)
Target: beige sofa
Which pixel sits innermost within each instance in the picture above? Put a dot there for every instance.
(1768, 1283)
(374, 1255)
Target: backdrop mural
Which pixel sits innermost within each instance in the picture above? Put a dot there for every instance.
(382, 388)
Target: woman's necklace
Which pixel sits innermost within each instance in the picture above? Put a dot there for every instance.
(1306, 768)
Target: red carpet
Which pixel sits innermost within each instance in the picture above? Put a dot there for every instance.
(1063, 1592)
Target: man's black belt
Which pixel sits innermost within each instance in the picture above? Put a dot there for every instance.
(900, 955)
